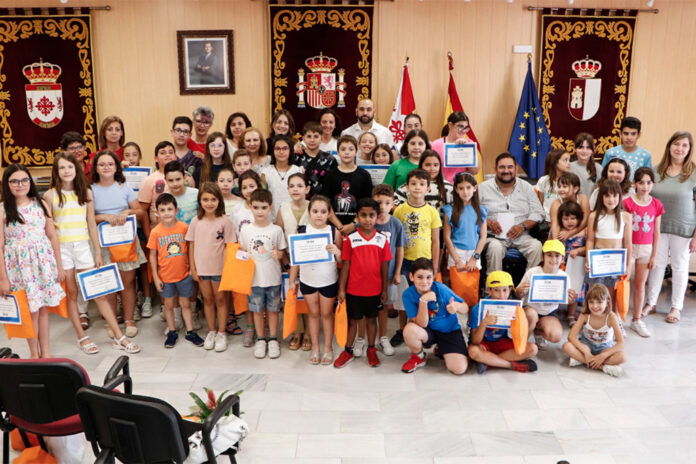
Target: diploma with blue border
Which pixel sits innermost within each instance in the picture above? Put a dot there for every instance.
(286, 286)
(310, 248)
(117, 235)
(135, 176)
(100, 282)
(548, 288)
(460, 155)
(9, 311)
(607, 262)
(504, 310)
(377, 172)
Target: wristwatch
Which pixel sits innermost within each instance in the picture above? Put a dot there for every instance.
(476, 255)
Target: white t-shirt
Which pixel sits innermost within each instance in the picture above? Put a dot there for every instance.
(259, 242)
(319, 275)
(544, 309)
(382, 133)
(241, 216)
(278, 183)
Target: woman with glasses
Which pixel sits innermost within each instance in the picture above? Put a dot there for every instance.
(458, 132)
(203, 118)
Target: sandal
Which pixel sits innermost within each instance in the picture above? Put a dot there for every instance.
(84, 321)
(87, 348)
(674, 316)
(314, 358)
(232, 328)
(327, 358)
(648, 309)
(130, 348)
(306, 343)
(295, 342)
(572, 320)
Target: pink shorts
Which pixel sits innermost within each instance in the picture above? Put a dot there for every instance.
(641, 253)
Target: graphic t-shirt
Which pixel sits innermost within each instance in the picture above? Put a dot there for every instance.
(345, 189)
(394, 231)
(490, 335)
(172, 251)
(316, 168)
(210, 238)
(366, 255)
(643, 217)
(419, 223)
(188, 205)
(438, 317)
(259, 242)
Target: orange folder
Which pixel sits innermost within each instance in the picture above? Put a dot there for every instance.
(341, 325)
(26, 328)
(293, 307)
(62, 308)
(519, 329)
(238, 272)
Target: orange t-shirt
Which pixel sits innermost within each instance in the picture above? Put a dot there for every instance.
(172, 251)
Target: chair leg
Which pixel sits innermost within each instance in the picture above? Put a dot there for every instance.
(5, 448)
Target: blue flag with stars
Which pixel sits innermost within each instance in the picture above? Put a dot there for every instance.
(530, 141)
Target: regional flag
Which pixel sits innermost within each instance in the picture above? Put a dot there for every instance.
(404, 105)
(530, 140)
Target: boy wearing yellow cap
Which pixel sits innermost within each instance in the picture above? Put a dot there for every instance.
(494, 347)
(543, 318)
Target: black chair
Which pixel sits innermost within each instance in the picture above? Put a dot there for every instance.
(38, 396)
(140, 429)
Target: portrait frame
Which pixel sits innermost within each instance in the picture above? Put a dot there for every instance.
(203, 71)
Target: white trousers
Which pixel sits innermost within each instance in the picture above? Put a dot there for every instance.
(675, 250)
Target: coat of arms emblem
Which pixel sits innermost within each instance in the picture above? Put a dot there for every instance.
(44, 94)
(322, 88)
(584, 91)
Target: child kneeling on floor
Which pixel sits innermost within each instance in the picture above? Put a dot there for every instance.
(432, 310)
(494, 347)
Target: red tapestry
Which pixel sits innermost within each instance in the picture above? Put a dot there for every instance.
(320, 58)
(46, 85)
(585, 69)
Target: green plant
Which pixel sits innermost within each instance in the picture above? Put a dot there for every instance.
(203, 409)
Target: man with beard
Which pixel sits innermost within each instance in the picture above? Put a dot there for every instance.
(513, 209)
(365, 111)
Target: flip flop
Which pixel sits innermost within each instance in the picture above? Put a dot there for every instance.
(327, 358)
(314, 358)
(87, 348)
(674, 316)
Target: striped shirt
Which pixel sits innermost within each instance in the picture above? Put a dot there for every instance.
(70, 219)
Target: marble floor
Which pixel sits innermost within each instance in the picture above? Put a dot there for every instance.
(299, 413)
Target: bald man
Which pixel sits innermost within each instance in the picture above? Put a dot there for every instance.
(365, 111)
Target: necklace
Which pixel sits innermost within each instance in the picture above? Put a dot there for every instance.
(282, 176)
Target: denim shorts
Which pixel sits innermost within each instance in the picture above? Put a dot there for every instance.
(595, 348)
(184, 288)
(264, 298)
(211, 278)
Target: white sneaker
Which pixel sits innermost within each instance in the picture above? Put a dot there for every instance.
(195, 321)
(623, 331)
(358, 347)
(136, 314)
(387, 349)
(640, 328)
(209, 343)
(574, 363)
(541, 342)
(220, 342)
(273, 349)
(178, 318)
(260, 349)
(614, 371)
(146, 310)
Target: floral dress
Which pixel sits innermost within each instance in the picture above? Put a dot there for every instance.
(29, 258)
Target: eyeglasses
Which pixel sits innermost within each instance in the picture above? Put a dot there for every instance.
(16, 182)
(202, 123)
(283, 148)
(462, 127)
(76, 148)
(182, 131)
(106, 165)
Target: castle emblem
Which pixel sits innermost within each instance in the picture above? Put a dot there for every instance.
(44, 94)
(585, 90)
(321, 86)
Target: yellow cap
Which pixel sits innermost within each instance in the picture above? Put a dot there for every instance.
(499, 279)
(555, 246)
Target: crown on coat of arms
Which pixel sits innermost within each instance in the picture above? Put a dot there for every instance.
(586, 68)
(321, 63)
(42, 72)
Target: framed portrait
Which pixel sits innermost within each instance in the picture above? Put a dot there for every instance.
(206, 62)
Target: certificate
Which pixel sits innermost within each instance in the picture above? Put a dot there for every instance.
(286, 286)
(506, 221)
(607, 262)
(504, 310)
(460, 155)
(377, 172)
(135, 175)
(100, 282)
(547, 288)
(310, 248)
(9, 311)
(117, 235)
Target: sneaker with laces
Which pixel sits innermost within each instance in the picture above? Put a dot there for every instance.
(541, 342)
(209, 342)
(397, 339)
(172, 336)
(614, 371)
(574, 363)
(413, 363)
(640, 328)
(249, 335)
(358, 346)
(260, 349)
(528, 365)
(273, 349)
(194, 338)
(343, 359)
(372, 358)
(386, 347)
(220, 342)
(146, 310)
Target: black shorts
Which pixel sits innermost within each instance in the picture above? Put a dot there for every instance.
(330, 291)
(358, 307)
(447, 342)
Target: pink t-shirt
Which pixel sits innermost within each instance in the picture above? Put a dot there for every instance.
(150, 189)
(643, 219)
(210, 238)
(439, 146)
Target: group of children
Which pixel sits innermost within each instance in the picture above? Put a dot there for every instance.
(389, 241)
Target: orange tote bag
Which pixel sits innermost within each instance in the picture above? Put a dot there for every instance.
(623, 296)
(341, 325)
(238, 272)
(465, 284)
(519, 329)
(26, 328)
(62, 308)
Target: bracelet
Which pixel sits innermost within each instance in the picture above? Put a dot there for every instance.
(422, 300)
(524, 226)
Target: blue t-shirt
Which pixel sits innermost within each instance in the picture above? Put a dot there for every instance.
(112, 199)
(188, 205)
(490, 335)
(466, 234)
(394, 231)
(638, 158)
(438, 317)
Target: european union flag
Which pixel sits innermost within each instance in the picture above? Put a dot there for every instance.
(530, 140)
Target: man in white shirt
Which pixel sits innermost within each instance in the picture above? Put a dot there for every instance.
(365, 111)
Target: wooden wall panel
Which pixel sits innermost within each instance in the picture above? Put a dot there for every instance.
(137, 74)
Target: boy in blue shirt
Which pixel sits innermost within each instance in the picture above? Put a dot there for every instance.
(432, 310)
(494, 347)
(629, 150)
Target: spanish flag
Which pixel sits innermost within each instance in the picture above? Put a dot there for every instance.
(453, 104)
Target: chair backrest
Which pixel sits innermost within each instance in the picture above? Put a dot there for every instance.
(137, 429)
(40, 391)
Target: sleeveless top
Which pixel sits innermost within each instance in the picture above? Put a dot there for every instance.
(606, 227)
(70, 219)
(290, 222)
(604, 334)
